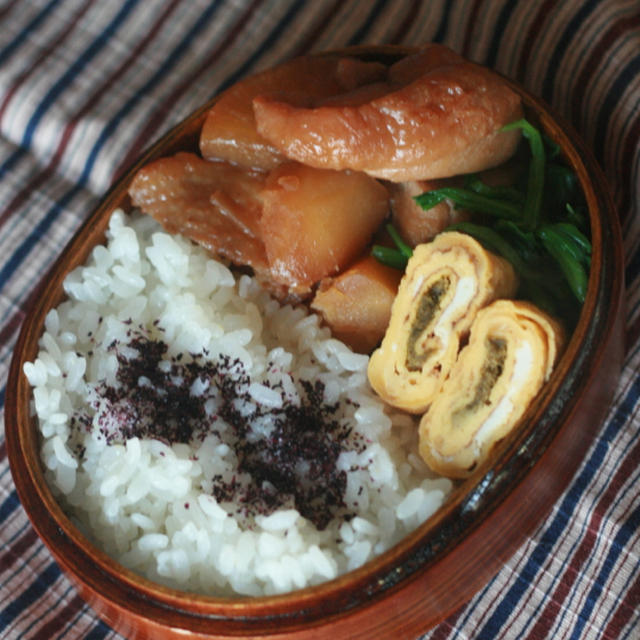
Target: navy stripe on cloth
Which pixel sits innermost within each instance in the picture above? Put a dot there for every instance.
(9, 49)
(56, 90)
(610, 101)
(582, 538)
(82, 61)
(43, 226)
(270, 40)
(35, 590)
(360, 34)
(443, 25)
(37, 620)
(499, 32)
(100, 631)
(10, 504)
(560, 521)
(171, 61)
(622, 537)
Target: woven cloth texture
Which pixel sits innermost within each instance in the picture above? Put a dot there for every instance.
(86, 85)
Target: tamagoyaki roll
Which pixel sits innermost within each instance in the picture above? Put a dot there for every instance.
(513, 347)
(446, 282)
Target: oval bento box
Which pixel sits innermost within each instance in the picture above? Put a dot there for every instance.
(432, 571)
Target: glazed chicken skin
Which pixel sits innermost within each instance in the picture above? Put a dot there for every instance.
(229, 131)
(214, 204)
(435, 115)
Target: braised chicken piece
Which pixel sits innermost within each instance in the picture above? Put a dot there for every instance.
(435, 115)
(229, 131)
(214, 204)
(415, 224)
(352, 73)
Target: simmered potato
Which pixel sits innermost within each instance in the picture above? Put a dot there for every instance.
(316, 221)
(356, 305)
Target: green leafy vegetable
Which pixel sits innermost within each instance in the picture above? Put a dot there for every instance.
(561, 187)
(576, 216)
(390, 257)
(403, 248)
(540, 227)
(396, 258)
(573, 235)
(474, 183)
(470, 200)
(569, 257)
(535, 186)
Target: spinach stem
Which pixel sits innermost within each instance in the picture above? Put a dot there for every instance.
(468, 199)
(535, 184)
(389, 256)
(403, 247)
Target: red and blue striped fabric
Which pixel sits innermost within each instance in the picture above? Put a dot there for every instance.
(86, 85)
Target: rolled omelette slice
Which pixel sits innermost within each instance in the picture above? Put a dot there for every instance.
(444, 285)
(513, 347)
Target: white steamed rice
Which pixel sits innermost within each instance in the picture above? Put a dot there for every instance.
(149, 504)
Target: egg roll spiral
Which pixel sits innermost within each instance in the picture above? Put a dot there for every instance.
(512, 349)
(445, 283)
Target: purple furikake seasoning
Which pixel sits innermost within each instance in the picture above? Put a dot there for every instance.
(293, 462)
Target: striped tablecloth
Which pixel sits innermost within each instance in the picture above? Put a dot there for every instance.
(86, 85)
